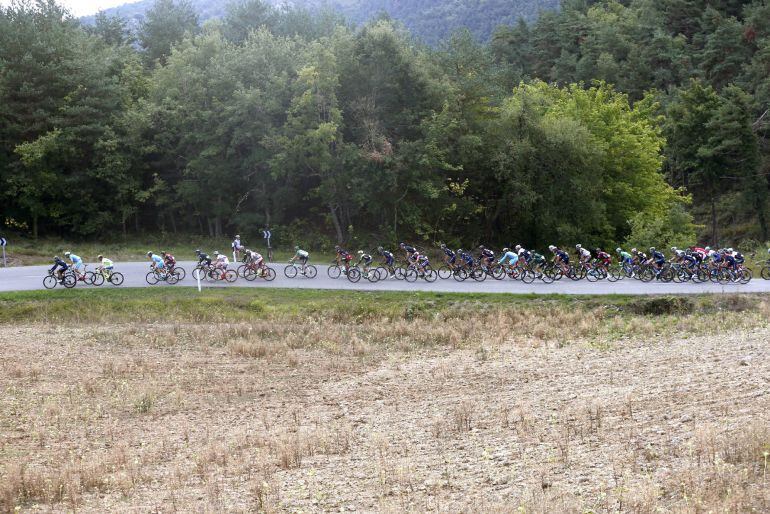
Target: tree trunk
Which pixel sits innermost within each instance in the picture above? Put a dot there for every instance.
(218, 226)
(714, 222)
(211, 227)
(34, 226)
(123, 224)
(336, 222)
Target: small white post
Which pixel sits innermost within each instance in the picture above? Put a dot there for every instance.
(199, 281)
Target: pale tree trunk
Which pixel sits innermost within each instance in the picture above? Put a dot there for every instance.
(336, 222)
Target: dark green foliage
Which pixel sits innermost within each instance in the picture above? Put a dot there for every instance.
(603, 122)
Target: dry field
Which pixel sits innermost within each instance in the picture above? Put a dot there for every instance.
(538, 407)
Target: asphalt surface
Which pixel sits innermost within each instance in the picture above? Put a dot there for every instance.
(30, 278)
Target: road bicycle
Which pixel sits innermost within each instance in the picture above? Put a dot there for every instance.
(103, 275)
(157, 275)
(293, 270)
(251, 272)
(68, 280)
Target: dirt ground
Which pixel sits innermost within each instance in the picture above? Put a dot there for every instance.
(250, 417)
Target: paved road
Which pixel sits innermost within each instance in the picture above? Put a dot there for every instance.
(31, 278)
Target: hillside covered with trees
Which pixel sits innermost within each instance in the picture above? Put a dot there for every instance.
(605, 122)
(429, 20)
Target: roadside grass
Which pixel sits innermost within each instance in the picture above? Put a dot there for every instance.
(542, 317)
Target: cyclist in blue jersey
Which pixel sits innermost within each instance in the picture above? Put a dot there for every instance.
(508, 257)
(76, 261)
(449, 256)
(63, 266)
(156, 261)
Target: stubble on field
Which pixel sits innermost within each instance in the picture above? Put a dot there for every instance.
(551, 411)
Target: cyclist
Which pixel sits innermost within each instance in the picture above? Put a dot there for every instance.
(536, 261)
(105, 266)
(560, 258)
(625, 257)
(168, 260)
(77, 262)
(740, 260)
(63, 266)
(487, 256)
(254, 260)
(524, 255)
(466, 258)
(203, 258)
(299, 255)
(449, 256)
(423, 263)
(156, 262)
(410, 252)
(729, 258)
(656, 258)
(509, 258)
(221, 261)
(583, 254)
(387, 259)
(237, 247)
(603, 258)
(343, 258)
(366, 259)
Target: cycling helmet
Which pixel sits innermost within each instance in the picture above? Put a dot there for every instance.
(237, 236)
(149, 254)
(598, 250)
(674, 249)
(99, 257)
(163, 253)
(518, 247)
(57, 258)
(197, 252)
(401, 245)
(296, 248)
(460, 250)
(360, 252)
(652, 249)
(216, 253)
(552, 247)
(67, 254)
(768, 250)
(730, 250)
(380, 249)
(578, 247)
(634, 250)
(708, 248)
(506, 250)
(443, 246)
(481, 247)
(618, 250)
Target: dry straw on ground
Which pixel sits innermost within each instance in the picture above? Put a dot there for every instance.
(483, 410)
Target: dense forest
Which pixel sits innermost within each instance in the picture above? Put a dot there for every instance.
(430, 21)
(603, 122)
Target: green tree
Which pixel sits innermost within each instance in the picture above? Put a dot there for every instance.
(165, 25)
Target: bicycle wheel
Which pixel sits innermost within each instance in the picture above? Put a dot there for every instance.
(479, 275)
(372, 276)
(527, 276)
(250, 274)
(199, 273)
(116, 279)
(444, 272)
(765, 273)
(334, 271)
(745, 276)
(180, 272)
(290, 271)
(400, 273)
(354, 275)
(410, 275)
(50, 282)
(70, 281)
(383, 273)
(242, 271)
(460, 275)
(614, 275)
(172, 278)
(269, 274)
(311, 271)
(593, 275)
(88, 278)
(212, 275)
(97, 280)
(231, 275)
(430, 275)
(151, 278)
(498, 272)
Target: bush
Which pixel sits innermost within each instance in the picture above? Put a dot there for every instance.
(662, 306)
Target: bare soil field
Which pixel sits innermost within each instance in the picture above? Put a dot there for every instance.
(541, 409)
